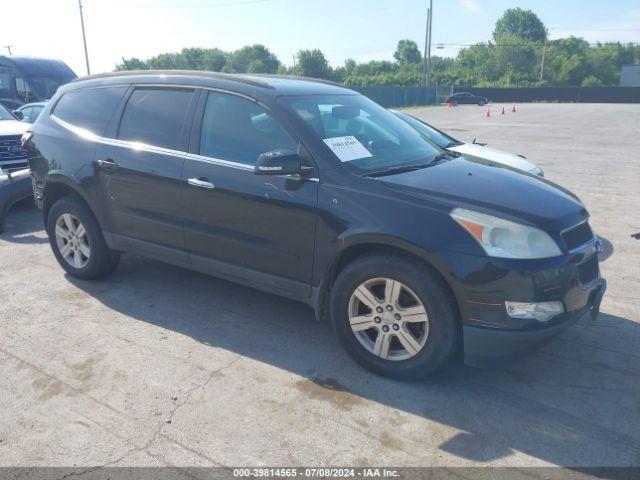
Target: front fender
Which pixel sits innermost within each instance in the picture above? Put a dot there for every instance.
(359, 243)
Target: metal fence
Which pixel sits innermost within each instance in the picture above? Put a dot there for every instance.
(400, 96)
(559, 94)
(407, 96)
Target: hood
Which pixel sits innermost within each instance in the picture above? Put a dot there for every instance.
(13, 127)
(497, 191)
(493, 155)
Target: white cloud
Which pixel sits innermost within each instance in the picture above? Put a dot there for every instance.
(470, 5)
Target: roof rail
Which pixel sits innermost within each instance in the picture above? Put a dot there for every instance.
(198, 73)
(293, 77)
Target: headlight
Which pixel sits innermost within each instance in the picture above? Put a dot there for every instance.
(505, 239)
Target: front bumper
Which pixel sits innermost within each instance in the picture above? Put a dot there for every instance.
(490, 347)
(482, 285)
(13, 189)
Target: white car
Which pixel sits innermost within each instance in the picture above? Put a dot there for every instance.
(476, 150)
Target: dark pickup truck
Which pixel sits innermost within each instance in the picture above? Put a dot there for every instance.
(27, 79)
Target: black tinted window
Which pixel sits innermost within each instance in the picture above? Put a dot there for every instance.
(237, 129)
(157, 117)
(90, 109)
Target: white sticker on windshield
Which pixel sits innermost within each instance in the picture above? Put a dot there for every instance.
(347, 148)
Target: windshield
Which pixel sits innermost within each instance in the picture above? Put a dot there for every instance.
(363, 135)
(5, 114)
(436, 136)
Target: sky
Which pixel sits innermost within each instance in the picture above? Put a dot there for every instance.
(359, 29)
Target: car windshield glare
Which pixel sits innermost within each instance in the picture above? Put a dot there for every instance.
(364, 136)
(439, 138)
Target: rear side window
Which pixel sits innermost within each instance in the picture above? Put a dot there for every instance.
(239, 130)
(157, 117)
(90, 109)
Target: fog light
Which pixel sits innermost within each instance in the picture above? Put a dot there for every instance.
(542, 312)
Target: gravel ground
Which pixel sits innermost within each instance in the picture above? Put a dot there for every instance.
(162, 366)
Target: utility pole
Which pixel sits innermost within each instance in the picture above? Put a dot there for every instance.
(544, 51)
(427, 47)
(8, 47)
(84, 38)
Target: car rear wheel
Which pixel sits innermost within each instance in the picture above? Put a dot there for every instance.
(394, 317)
(77, 242)
(481, 102)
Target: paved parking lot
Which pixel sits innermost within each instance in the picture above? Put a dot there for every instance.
(162, 366)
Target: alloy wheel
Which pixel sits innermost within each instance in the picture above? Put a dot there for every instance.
(72, 240)
(388, 319)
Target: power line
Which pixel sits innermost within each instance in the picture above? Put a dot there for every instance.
(579, 29)
(548, 45)
(84, 38)
(195, 5)
(427, 46)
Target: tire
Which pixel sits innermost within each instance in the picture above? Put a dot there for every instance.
(100, 260)
(454, 103)
(440, 333)
(481, 103)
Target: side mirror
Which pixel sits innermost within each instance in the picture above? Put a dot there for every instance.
(279, 162)
(18, 114)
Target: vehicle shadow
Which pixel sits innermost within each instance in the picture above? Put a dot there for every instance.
(573, 403)
(22, 223)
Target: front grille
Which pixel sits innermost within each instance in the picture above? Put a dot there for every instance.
(589, 271)
(12, 157)
(578, 236)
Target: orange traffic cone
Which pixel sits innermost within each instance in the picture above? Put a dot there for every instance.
(449, 104)
(488, 113)
(503, 111)
(513, 110)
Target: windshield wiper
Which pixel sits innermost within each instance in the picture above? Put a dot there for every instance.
(411, 167)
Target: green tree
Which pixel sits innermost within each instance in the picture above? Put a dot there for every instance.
(215, 59)
(252, 59)
(567, 61)
(349, 66)
(607, 60)
(520, 23)
(131, 64)
(168, 61)
(407, 52)
(591, 81)
(312, 63)
(341, 73)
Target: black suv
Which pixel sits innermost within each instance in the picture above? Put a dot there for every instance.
(314, 192)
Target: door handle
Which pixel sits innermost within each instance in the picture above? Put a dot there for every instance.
(196, 182)
(107, 164)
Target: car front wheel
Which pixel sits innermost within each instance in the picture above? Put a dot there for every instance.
(394, 316)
